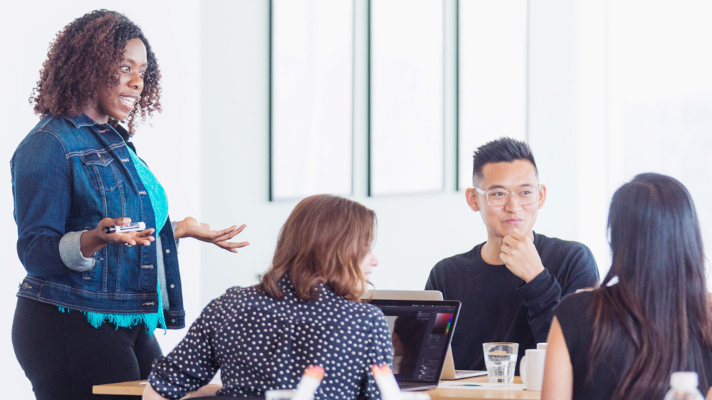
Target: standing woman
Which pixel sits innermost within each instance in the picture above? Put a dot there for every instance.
(91, 300)
(624, 340)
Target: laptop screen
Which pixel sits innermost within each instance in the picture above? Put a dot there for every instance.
(421, 332)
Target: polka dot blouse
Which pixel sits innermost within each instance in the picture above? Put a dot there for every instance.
(259, 343)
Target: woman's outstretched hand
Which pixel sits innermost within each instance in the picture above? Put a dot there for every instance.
(93, 240)
(190, 227)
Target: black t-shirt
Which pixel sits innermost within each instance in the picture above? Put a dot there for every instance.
(497, 306)
(576, 316)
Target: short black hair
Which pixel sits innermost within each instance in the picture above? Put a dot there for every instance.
(503, 149)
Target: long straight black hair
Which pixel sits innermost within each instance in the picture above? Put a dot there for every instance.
(659, 305)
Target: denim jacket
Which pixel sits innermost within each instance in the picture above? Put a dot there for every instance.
(67, 175)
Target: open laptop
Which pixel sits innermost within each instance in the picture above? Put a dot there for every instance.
(449, 371)
(421, 331)
(403, 295)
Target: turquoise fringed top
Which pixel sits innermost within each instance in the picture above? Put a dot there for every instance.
(159, 201)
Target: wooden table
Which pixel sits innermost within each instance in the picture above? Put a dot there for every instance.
(132, 388)
(443, 394)
(135, 388)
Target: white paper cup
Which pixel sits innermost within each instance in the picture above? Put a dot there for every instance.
(532, 369)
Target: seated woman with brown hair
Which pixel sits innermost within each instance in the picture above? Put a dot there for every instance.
(624, 340)
(304, 312)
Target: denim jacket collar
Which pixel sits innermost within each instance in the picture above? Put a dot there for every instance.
(81, 120)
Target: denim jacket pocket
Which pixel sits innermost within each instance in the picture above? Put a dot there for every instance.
(101, 170)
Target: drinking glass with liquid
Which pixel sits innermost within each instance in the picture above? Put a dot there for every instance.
(501, 361)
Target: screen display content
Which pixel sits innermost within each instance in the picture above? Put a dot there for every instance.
(421, 334)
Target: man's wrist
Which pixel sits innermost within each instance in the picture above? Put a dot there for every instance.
(533, 275)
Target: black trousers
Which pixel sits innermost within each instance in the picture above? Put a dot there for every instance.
(64, 356)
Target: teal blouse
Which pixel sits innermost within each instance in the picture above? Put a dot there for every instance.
(159, 201)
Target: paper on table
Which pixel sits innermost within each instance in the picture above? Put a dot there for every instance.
(216, 379)
(480, 385)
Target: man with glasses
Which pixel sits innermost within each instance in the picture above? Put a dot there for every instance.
(510, 284)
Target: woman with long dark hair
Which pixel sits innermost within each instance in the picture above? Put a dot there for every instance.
(306, 311)
(93, 295)
(651, 315)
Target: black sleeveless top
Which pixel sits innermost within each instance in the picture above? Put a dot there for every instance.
(576, 316)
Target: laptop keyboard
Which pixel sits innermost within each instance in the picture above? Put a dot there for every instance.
(414, 386)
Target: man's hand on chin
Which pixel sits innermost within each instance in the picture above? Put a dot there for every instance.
(520, 257)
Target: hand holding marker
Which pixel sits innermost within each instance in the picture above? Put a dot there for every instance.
(132, 227)
(309, 383)
(386, 382)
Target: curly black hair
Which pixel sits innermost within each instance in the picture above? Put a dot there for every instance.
(84, 58)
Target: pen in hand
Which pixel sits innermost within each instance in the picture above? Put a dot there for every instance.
(132, 227)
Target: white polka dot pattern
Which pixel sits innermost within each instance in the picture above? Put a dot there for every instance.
(260, 343)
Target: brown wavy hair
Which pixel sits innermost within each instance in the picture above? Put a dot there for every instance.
(324, 240)
(84, 59)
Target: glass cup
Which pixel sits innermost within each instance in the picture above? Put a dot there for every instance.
(501, 361)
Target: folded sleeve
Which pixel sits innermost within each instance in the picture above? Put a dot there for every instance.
(544, 293)
(70, 250)
(540, 297)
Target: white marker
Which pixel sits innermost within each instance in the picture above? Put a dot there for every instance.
(309, 383)
(386, 382)
(132, 227)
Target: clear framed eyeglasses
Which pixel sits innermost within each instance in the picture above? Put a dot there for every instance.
(500, 197)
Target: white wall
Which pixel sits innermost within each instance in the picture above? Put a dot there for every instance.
(568, 119)
(414, 231)
(660, 103)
